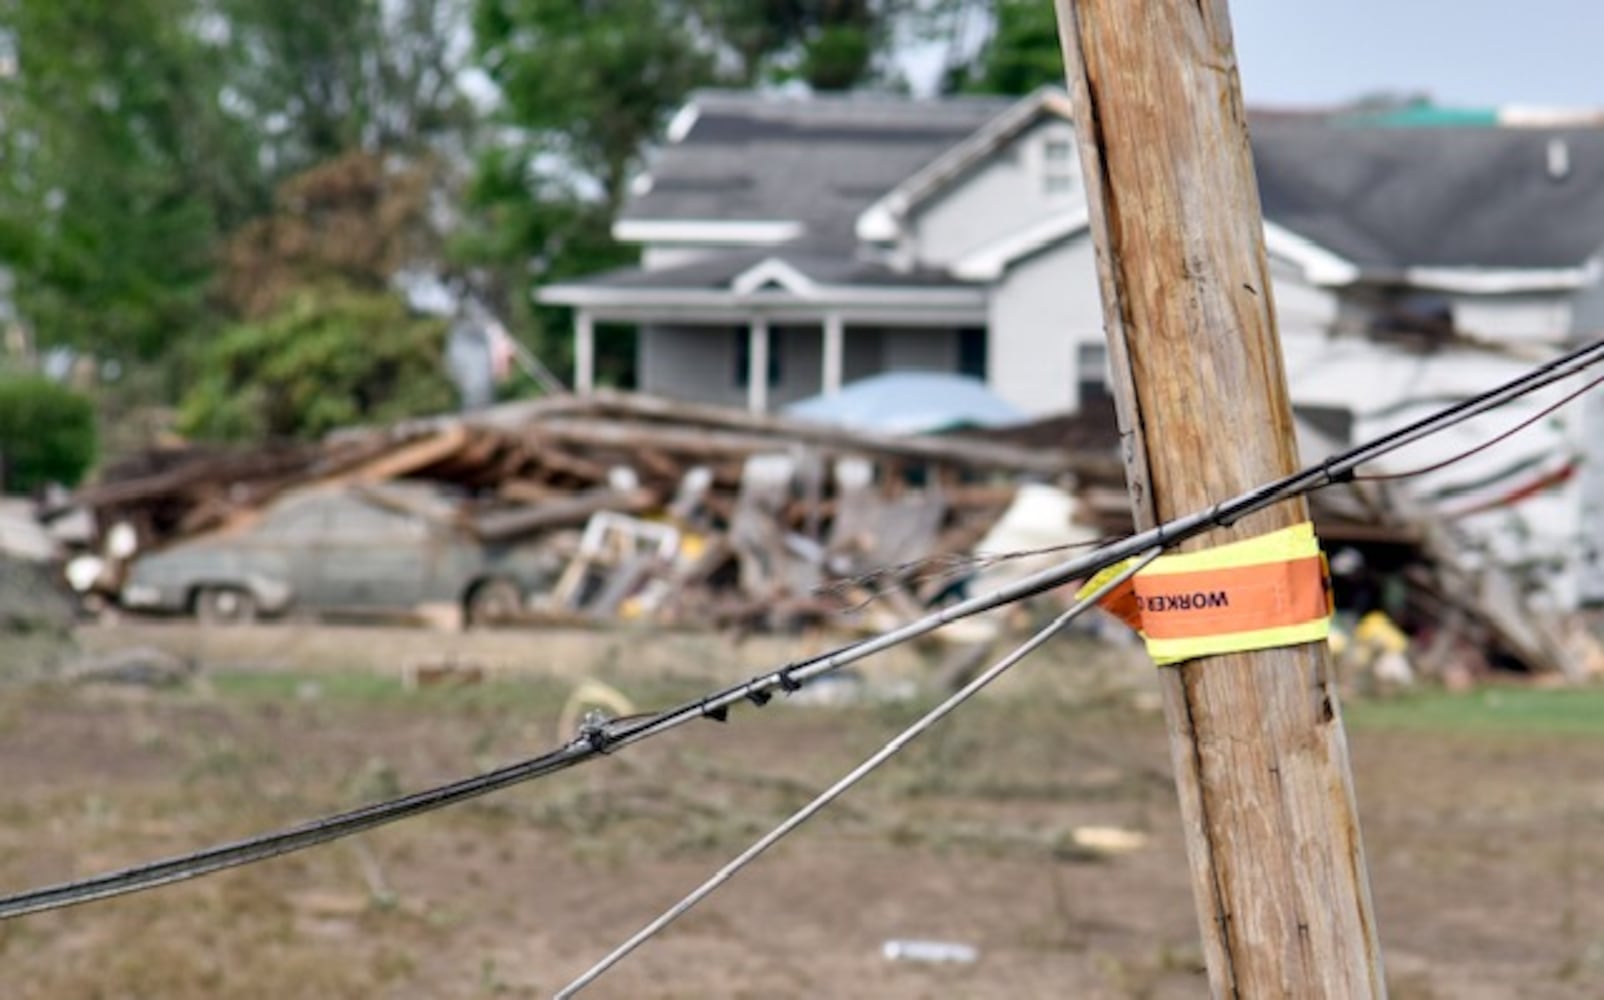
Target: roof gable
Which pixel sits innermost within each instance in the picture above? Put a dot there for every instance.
(774, 274)
(989, 263)
(811, 162)
(1478, 209)
(882, 220)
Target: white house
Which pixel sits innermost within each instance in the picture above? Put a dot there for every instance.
(792, 244)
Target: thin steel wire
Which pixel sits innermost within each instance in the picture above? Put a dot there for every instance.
(856, 775)
(759, 689)
(1425, 470)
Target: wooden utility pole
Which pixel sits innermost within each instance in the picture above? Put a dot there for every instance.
(1261, 761)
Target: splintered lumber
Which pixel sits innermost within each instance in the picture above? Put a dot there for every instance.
(529, 491)
(763, 427)
(1484, 594)
(658, 464)
(409, 457)
(756, 531)
(567, 512)
(548, 455)
(198, 470)
(471, 461)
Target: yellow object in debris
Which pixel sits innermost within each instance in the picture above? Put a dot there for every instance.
(1377, 630)
(691, 547)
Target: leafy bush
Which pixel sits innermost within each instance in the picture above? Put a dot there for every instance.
(47, 433)
(327, 359)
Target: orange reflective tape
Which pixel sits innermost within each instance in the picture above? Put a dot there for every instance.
(1270, 590)
(1122, 603)
(1236, 599)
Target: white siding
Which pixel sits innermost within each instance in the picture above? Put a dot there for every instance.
(1591, 583)
(658, 256)
(1301, 309)
(999, 197)
(1386, 386)
(1539, 318)
(1587, 313)
(1047, 305)
(1041, 310)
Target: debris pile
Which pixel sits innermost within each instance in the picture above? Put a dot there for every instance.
(681, 513)
(678, 512)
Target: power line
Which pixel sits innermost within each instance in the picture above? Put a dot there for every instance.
(1483, 446)
(605, 737)
(856, 775)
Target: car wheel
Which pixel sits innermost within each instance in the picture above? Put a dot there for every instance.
(492, 601)
(225, 606)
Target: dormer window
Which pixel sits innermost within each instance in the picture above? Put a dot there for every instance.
(1060, 174)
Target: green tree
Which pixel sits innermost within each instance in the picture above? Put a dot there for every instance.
(321, 80)
(354, 221)
(47, 433)
(589, 81)
(525, 230)
(829, 44)
(325, 359)
(1022, 52)
(120, 168)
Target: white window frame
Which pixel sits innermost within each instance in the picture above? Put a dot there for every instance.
(1058, 177)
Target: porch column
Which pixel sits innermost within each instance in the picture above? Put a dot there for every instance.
(584, 353)
(757, 365)
(830, 381)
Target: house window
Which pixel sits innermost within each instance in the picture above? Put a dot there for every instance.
(1058, 168)
(1413, 316)
(1091, 372)
(972, 352)
(743, 355)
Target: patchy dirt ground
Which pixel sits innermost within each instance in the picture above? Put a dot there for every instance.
(1482, 818)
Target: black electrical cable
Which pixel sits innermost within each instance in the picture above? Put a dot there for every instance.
(1426, 470)
(599, 739)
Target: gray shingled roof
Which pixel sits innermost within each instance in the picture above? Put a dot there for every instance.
(1390, 198)
(1384, 198)
(826, 268)
(819, 161)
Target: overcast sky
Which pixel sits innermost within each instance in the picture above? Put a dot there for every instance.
(1462, 52)
(1476, 52)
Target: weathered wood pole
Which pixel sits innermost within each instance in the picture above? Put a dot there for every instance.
(1261, 760)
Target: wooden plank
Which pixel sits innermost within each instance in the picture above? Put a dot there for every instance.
(565, 512)
(406, 458)
(726, 433)
(659, 464)
(529, 491)
(551, 456)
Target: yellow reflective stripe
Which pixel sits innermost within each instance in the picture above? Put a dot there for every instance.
(1102, 576)
(1296, 542)
(1167, 651)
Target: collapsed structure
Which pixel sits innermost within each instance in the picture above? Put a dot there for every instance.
(696, 515)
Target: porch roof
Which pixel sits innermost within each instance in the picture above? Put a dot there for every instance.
(738, 285)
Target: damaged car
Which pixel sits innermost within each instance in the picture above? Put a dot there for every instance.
(365, 551)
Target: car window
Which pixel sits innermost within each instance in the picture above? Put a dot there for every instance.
(295, 521)
(353, 522)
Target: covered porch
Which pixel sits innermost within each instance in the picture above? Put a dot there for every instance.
(763, 333)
